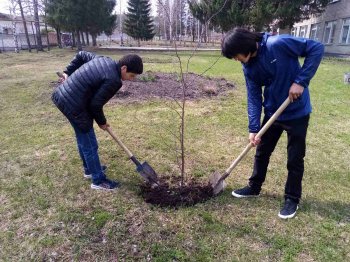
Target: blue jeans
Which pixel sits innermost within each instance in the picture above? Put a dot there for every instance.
(88, 151)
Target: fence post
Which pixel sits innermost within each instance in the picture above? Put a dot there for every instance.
(347, 78)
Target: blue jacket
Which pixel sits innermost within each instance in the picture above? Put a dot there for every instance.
(277, 67)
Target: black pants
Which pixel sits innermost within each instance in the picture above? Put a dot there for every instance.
(296, 131)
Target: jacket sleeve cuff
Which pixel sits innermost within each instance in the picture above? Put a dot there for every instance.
(101, 121)
(300, 82)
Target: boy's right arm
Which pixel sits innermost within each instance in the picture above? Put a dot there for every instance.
(81, 58)
(254, 93)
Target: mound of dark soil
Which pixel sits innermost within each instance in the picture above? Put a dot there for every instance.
(168, 86)
(174, 195)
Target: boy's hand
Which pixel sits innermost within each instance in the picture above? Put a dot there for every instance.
(295, 91)
(62, 77)
(104, 127)
(253, 139)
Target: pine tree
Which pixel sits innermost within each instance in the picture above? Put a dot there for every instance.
(138, 23)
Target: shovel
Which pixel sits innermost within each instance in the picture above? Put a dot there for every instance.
(144, 169)
(216, 180)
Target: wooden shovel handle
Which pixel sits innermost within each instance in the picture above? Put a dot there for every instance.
(259, 135)
(120, 143)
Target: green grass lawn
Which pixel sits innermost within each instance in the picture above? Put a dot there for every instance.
(49, 213)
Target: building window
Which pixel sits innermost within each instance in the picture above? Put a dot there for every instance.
(345, 32)
(303, 31)
(329, 32)
(313, 31)
(294, 31)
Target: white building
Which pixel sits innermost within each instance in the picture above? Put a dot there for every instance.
(332, 28)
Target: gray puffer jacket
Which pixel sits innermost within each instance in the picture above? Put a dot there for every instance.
(92, 82)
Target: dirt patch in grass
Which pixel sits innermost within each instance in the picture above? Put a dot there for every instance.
(170, 193)
(168, 86)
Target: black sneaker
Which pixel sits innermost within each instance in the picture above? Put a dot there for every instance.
(245, 192)
(89, 176)
(289, 209)
(106, 184)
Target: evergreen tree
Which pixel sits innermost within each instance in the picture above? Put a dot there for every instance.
(138, 23)
(76, 16)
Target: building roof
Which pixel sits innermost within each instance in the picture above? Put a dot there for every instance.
(4, 16)
(8, 17)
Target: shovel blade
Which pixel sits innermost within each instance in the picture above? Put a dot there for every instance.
(217, 183)
(148, 173)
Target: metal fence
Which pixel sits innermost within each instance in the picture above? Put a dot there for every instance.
(8, 34)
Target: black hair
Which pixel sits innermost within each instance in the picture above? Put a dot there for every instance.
(239, 41)
(133, 63)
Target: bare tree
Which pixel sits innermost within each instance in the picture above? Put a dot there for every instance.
(24, 24)
(12, 9)
(181, 105)
(39, 45)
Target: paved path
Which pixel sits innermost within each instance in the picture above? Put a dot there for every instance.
(164, 49)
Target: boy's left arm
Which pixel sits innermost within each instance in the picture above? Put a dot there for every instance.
(301, 47)
(81, 58)
(101, 97)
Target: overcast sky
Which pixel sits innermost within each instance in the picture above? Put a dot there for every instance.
(4, 6)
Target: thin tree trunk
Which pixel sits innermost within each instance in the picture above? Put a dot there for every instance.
(87, 39)
(80, 48)
(73, 40)
(165, 31)
(47, 33)
(82, 39)
(36, 44)
(180, 16)
(47, 37)
(24, 25)
(37, 26)
(59, 40)
(13, 15)
(15, 39)
(94, 42)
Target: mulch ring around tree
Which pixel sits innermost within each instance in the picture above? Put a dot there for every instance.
(169, 86)
(170, 193)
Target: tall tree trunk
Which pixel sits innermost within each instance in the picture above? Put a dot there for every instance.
(47, 33)
(24, 25)
(82, 38)
(39, 45)
(94, 42)
(79, 41)
(47, 37)
(165, 31)
(180, 16)
(59, 39)
(15, 39)
(73, 40)
(87, 39)
(33, 31)
(12, 8)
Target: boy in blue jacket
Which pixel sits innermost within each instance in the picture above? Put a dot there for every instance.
(88, 83)
(272, 62)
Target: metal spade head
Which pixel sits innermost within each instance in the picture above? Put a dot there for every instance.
(148, 173)
(217, 183)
